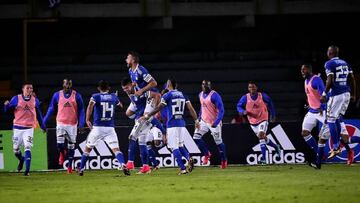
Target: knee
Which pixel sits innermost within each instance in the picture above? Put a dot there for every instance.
(262, 135)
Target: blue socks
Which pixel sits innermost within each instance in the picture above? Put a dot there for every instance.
(131, 150)
(144, 154)
(222, 151)
(177, 155)
(335, 135)
(310, 140)
(120, 157)
(152, 156)
(27, 158)
(320, 154)
(84, 159)
(263, 149)
(184, 153)
(202, 146)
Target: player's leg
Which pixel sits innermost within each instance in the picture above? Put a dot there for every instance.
(217, 135)
(173, 143)
(144, 155)
(91, 140)
(60, 143)
(155, 134)
(184, 152)
(261, 136)
(324, 135)
(112, 141)
(132, 145)
(201, 143)
(17, 142)
(310, 121)
(27, 137)
(71, 137)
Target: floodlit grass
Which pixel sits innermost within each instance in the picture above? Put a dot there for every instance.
(275, 183)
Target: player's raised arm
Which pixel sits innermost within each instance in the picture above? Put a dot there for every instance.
(352, 82)
(89, 112)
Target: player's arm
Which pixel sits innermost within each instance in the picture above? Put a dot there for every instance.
(156, 96)
(216, 99)
(318, 84)
(51, 108)
(241, 106)
(89, 112)
(81, 110)
(151, 82)
(352, 82)
(158, 108)
(39, 116)
(192, 111)
(329, 82)
(200, 112)
(270, 106)
(10, 104)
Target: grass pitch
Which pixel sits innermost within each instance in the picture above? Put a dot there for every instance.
(275, 183)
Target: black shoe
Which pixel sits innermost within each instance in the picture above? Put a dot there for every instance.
(125, 170)
(81, 173)
(20, 165)
(190, 165)
(26, 173)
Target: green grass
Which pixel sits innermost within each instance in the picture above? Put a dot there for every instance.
(275, 183)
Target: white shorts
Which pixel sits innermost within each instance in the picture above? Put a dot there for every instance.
(337, 105)
(140, 131)
(22, 137)
(132, 107)
(311, 120)
(154, 134)
(175, 137)
(325, 131)
(205, 127)
(106, 134)
(261, 127)
(66, 131)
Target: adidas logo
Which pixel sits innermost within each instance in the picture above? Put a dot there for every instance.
(288, 154)
(100, 157)
(27, 108)
(67, 104)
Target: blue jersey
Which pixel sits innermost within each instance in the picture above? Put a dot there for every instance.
(340, 69)
(104, 109)
(141, 77)
(140, 104)
(174, 102)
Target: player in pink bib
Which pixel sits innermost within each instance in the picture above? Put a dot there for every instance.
(210, 115)
(70, 114)
(27, 112)
(256, 106)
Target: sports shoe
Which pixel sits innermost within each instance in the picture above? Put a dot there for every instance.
(125, 170)
(206, 159)
(278, 150)
(190, 165)
(155, 168)
(333, 153)
(27, 173)
(224, 164)
(80, 171)
(350, 157)
(144, 170)
(315, 166)
(69, 170)
(262, 162)
(20, 165)
(130, 165)
(183, 172)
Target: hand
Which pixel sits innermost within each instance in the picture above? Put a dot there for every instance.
(89, 124)
(6, 102)
(164, 138)
(197, 124)
(323, 99)
(138, 93)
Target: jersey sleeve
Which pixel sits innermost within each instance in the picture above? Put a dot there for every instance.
(93, 99)
(318, 84)
(241, 104)
(165, 98)
(329, 68)
(145, 74)
(12, 104)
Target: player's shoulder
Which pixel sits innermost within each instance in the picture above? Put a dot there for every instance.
(95, 95)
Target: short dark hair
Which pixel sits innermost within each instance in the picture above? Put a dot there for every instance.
(135, 55)
(173, 82)
(307, 65)
(26, 83)
(103, 85)
(335, 49)
(125, 81)
(252, 82)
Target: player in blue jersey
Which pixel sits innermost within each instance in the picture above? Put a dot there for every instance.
(255, 105)
(174, 101)
(27, 112)
(339, 79)
(102, 107)
(141, 130)
(141, 79)
(211, 115)
(70, 114)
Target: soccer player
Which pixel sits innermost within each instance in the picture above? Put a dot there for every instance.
(174, 101)
(339, 79)
(27, 112)
(70, 114)
(210, 115)
(141, 79)
(141, 129)
(256, 106)
(102, 107)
